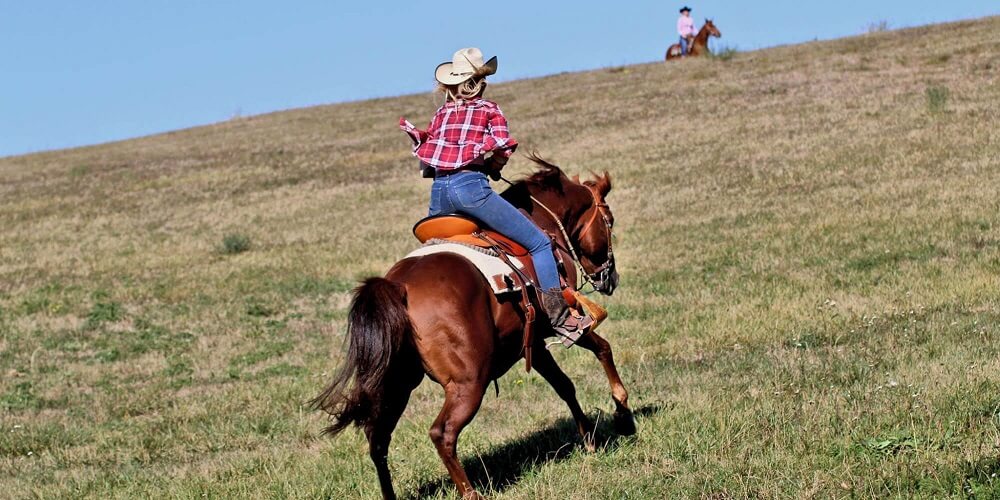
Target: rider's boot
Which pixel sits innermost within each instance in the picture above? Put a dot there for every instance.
(566, 325)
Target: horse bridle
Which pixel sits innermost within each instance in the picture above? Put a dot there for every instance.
(603, 272)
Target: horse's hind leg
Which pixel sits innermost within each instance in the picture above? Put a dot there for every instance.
(461, 402)
(379, 433)
(547, 367)
(624, 420)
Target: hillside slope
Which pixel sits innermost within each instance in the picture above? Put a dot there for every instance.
(809, 244)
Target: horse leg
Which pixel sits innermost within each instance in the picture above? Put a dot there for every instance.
(461, 402)
(546, 365)
(624, 420)
(379, 433)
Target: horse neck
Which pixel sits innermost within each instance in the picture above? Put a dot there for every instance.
(567, 208)
(702, 37)
(544, 202)
(539, 202)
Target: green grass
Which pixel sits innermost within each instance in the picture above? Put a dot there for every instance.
(809, 254)
(235, 243)
(725, 53)
(937, 99)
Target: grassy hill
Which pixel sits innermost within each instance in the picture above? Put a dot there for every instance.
(809, 242)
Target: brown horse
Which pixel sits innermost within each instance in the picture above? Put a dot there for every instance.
(699, 47)
(436, 315)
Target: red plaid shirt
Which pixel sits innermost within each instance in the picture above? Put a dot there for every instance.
(460, 133)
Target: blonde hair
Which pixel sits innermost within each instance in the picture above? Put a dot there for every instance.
(468, 89)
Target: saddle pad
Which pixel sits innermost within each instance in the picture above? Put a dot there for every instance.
(494, 269)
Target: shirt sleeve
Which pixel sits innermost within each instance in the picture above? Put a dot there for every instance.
(499, 139)
(421, 136)
(416, 135)
(434, 129)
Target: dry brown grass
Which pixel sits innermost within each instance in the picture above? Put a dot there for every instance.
(810, 260)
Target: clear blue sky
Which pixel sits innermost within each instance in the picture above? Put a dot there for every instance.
(82, 72)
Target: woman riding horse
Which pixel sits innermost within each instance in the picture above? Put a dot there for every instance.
(463, 131)
(698, 45)
(436, 314)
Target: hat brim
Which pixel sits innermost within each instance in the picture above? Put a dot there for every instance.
(444, 75)
(686, 9)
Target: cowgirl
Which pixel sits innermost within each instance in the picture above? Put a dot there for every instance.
(455, 148)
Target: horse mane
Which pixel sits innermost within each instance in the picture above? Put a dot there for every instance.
(548, 176)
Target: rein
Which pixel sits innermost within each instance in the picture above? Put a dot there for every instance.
(598, 209)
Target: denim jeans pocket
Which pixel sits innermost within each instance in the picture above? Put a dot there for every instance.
(435, 204)
(473, 193)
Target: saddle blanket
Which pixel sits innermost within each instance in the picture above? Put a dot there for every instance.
(493, 268)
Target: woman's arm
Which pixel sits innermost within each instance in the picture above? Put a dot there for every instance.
(498, 137)
(416, 135)
(420, 136)
(433, 130)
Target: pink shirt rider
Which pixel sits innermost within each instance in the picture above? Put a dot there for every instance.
(685, 26)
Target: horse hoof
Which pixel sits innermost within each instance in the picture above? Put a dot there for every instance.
(624, 423)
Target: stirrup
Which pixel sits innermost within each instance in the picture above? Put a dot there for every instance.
(570, 338)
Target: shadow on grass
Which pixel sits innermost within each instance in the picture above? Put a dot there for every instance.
(503, 466)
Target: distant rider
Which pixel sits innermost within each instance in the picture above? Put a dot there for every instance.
(685, 28)
(454, 148)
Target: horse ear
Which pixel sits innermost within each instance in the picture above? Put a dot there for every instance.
(576, 179)
(603, 184)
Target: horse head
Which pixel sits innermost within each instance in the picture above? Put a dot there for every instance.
(596, 235)
(582, 210)
(712, 30)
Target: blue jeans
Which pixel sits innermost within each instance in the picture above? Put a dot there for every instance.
(684, 45)
(470, 193)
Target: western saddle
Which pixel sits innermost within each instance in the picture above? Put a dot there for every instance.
(455, 228)
(465, 230)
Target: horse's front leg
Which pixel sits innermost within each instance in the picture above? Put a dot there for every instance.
(624, 420)
(546, 365)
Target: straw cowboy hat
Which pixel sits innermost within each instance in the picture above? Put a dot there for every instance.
(465, 64)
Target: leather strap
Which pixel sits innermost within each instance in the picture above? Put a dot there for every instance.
(471, 167)
(529, 309)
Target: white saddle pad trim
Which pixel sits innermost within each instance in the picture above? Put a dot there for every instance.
(494, 269)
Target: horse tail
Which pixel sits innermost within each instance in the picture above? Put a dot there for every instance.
(377, 326)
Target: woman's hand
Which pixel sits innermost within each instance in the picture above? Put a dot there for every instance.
(494, 164)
